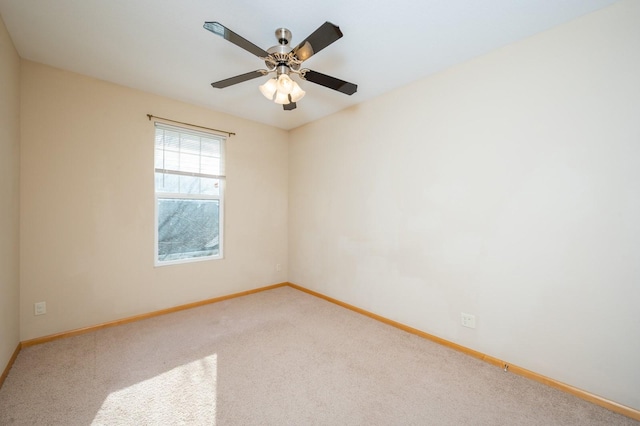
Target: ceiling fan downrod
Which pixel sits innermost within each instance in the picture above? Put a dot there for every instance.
(283, 35)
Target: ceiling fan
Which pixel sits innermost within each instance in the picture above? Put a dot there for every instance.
(284, 61)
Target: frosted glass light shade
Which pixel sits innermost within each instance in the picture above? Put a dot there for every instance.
(281, 98)
(268, 89)
(285, 84)
(297, 93)
(282, 90)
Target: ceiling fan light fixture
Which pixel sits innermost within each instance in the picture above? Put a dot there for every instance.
(282, 90)
(285, 84)
(281, 98)
(268, 89)
(297, 93)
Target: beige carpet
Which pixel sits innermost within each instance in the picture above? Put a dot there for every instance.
(280, 357)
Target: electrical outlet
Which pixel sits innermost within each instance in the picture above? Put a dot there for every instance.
(40, 308)
(468, 320)
(278, 267)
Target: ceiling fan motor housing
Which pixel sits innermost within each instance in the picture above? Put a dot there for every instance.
(283, 36)
(280, 53)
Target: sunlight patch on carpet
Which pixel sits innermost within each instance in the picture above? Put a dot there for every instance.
(185, 394)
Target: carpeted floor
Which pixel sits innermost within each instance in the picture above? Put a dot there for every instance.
(279, 357)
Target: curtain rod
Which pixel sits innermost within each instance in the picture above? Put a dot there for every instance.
(189, 124)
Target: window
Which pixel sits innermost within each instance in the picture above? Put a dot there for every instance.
(189, 188)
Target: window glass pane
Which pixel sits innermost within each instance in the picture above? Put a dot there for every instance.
(159, 182)
(167, 183)
(187, 228)
(210, 186)
(189, 185)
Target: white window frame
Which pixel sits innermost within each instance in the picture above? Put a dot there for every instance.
(171, 195)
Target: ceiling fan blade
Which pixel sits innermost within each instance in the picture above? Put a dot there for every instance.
(330, 82)
(326, 34)
(237, 79)
(222, 31)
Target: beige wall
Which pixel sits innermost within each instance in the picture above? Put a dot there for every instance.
(88, 205)
(9, 196)
(506, 187)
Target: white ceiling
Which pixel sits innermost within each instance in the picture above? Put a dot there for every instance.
(159, 46)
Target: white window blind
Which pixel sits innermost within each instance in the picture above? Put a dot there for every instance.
(187, 161)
